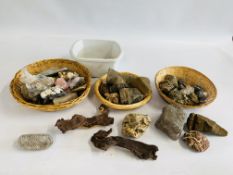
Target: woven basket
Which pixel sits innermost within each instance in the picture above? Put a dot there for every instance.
(43, 65)
(119, 106)
(190, 76)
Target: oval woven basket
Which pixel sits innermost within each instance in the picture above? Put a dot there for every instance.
(43, 65)
(119, 106)
(190, 76)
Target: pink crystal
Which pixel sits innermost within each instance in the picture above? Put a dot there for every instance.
(61, 82)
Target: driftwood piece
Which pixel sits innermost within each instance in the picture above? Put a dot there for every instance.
(78, 121)
(139, 149)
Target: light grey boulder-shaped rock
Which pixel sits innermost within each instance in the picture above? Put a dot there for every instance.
(35, 142)
(171, 121)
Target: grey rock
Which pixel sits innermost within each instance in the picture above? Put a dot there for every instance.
(171, 121)
(35, 141)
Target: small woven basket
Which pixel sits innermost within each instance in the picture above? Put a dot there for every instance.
(190, 76)
(120, 106)
(43, 65)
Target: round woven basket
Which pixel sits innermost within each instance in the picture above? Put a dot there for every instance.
(43, 65)
(120, 106)
(190, 76)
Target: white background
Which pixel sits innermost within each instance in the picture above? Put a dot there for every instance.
(154, 34)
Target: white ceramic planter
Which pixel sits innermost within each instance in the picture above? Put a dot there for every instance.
(97, 55)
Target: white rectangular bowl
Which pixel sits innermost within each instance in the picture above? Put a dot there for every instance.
(97, 55)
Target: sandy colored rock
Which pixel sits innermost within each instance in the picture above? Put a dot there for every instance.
(134, 125)
(196, 141)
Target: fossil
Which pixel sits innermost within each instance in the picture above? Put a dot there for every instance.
(102, 141)
(171, 121)
(35, 141)
(203, 124)
(196, 140)
(78, 121)
(134, 125)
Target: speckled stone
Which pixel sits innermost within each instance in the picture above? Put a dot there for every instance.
(35, 141)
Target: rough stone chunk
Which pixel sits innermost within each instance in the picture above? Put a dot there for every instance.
(204, 124)
(171, 121)
(134, 125)
(130, 95)
(196, 140)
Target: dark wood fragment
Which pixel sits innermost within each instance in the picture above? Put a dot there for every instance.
(78, 121)
(139, 149)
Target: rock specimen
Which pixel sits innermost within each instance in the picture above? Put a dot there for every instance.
(63, 99)
(130, 95)
(181, 92)
(35, 141)
(203, 124)
(45, 87)
(171, 121)
(78, 121)
(121, 89)
(134, 125)
(139, 149)
(196, 140)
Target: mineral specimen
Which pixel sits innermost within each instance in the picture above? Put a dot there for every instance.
(143, 151)
(134, 125)
(203, 124)
(130, 95)
(112, 97)
(181, 92)
(115, 81)
(61, 82)
(75, 82)
(35, 141)
(33, 85)
(78, 121)
(201, 94)
(54, 71)
(63, 99)
(196, 140)
(171, 121)
(52, 92)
